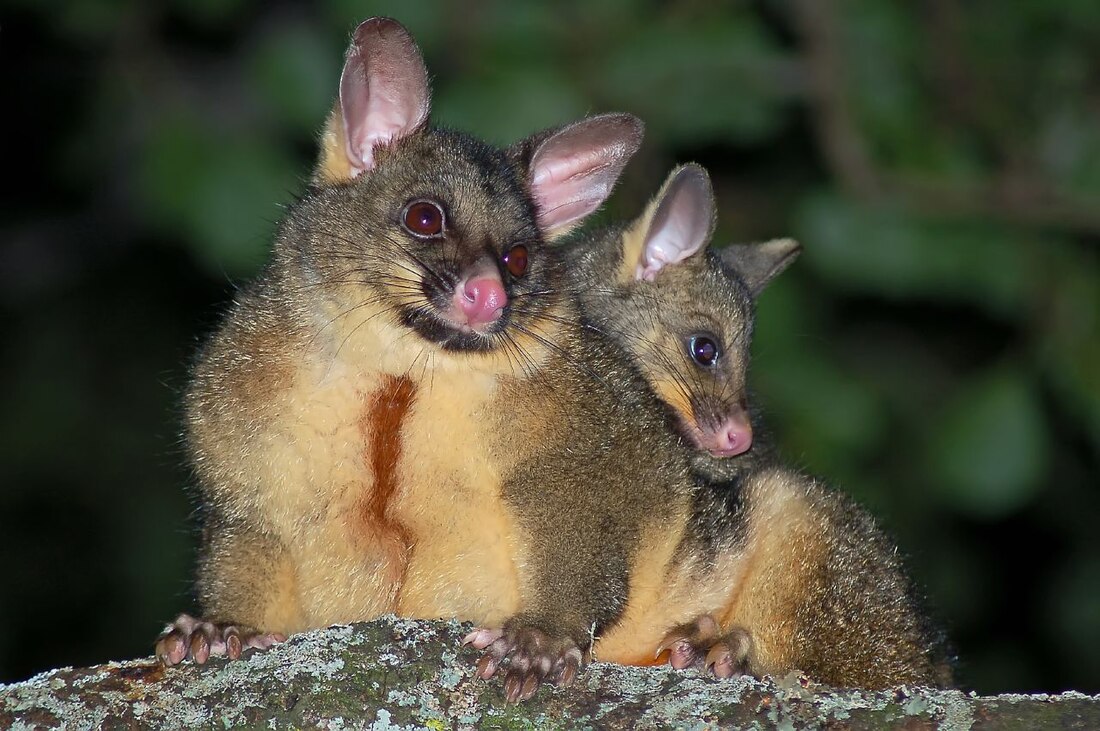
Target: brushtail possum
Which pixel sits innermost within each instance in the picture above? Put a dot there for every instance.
(402, 412)
(797, 576)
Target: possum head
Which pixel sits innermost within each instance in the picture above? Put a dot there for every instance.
(431, 231)
(685, 312)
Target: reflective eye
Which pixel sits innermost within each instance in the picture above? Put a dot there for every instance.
(704, 350)
(515, 260)
(423, 218)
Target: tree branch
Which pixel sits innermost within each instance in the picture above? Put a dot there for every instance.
(395, 673)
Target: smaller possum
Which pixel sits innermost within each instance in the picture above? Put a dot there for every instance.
(798, 575)
(689, 330)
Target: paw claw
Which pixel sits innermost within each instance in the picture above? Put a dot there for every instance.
(170, 649)
(682, 656)
(480, 638)
(718, 660)
(698, 644)
(670, 639)
(530, 686)
(512, 687)
(200, 648)
(486, 667)
(188, 637)
(530, 658)
(232, 643)
(568, 675)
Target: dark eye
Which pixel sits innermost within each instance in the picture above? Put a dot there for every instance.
(423, 218)
(515, 260)
(703, 350)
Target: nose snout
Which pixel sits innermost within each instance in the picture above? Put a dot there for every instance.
(732, 437)
(480, 300)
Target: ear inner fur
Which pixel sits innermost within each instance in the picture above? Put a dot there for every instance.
(638, 236)
(573, 169)
(633, 243)
(333, 165)
(683, 223)
(383, 90)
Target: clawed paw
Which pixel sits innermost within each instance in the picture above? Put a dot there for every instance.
(526, 657)
(701, 644)
(188, 637)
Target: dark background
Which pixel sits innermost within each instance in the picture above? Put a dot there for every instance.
(935, 351)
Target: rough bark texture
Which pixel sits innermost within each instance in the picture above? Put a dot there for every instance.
(401, 674)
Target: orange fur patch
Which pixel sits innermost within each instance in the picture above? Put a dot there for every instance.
(672, 393)
(381, 425)
(332, 163)
(633, 243)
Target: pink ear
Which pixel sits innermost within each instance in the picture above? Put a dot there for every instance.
(573, 170)
(383, 90)
(682, 224)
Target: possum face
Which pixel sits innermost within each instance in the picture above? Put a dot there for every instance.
(685, 313)
(689, 331)
(441, 235)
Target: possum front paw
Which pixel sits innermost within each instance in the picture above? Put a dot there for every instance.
(188, 637)
(527, 656)
(700, 644)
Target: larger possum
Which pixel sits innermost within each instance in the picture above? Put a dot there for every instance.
(402, 412)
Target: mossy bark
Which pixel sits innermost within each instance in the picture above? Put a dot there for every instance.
(401, 674)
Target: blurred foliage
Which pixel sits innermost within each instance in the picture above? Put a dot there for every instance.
(936, 352)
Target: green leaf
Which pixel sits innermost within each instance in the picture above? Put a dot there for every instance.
(882, 54)
(238, 205)
(700, 82)
(891, 253)
(830, 419)
(217, 191)
(176, 157)
(297, 76)
(508, 104)
(989, 447)
(1070, 336)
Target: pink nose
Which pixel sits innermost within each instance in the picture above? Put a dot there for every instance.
(481, 300)
(733, 437)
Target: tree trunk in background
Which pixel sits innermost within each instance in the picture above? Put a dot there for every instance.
(396, 673)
